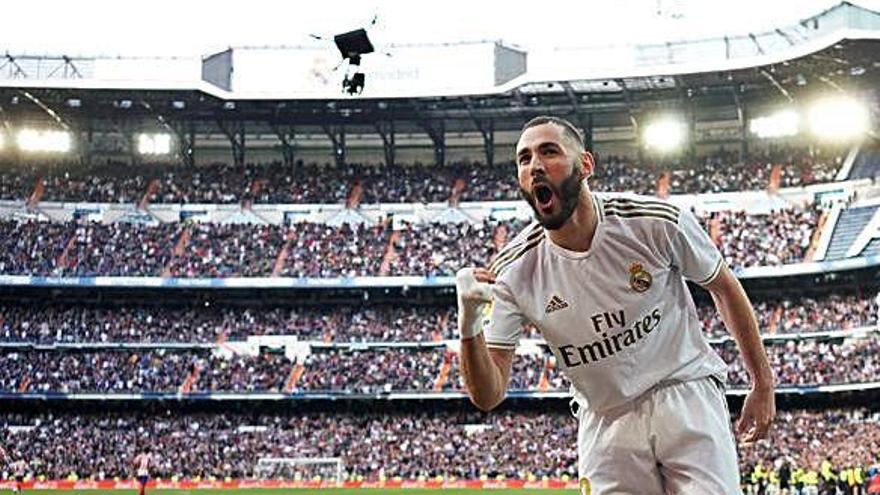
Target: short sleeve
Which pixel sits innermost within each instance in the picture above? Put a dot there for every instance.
(505, 321)
(693, 252)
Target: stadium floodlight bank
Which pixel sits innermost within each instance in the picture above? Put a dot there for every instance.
(301, 468)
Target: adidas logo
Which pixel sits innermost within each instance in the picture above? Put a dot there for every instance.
(555, 304)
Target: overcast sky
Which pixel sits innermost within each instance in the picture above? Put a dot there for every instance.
(192, 28)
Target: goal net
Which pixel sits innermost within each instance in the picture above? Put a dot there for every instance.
(300, 468)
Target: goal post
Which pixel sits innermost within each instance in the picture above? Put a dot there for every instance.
(300, 468)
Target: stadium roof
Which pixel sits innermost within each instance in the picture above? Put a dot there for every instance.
(836, 49)
(304, 72)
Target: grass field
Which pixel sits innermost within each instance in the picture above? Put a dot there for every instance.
(306, 491)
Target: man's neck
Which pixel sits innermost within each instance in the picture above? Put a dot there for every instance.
(578, 231)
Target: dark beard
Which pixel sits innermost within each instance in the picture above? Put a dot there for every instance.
(568, 193)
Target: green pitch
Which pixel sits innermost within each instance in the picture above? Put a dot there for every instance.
(305, 491)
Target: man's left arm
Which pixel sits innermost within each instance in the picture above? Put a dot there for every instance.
(759, 407)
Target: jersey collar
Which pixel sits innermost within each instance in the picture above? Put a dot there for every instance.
(598, 205)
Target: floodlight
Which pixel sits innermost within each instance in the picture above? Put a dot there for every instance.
(665, 134)
(780, 124)
(44, 141)
(154, 144)
(838, 118)
(1, 141)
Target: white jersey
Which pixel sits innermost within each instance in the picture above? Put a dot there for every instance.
(619, 317)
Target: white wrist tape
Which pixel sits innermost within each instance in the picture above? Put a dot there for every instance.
(473, 296)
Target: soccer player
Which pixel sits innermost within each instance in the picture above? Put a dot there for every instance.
(142, 464)
(18, 467)
(602, 276)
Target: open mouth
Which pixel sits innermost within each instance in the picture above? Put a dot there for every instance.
(543, 195)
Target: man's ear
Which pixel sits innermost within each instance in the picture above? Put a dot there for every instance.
(587, 165)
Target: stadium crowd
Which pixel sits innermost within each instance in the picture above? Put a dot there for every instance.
(67, 372)
(273, 182)
(774, 239)
(800, 315)
(193, 249)
(385, 445)
(132, 370)
(81, 323)
(370, 323)
(382, 370)
(264, 372)
(813, 362)
(379, 369)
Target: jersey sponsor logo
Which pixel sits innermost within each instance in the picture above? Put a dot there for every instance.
(611, 342)
(555, 304)
(639, 279)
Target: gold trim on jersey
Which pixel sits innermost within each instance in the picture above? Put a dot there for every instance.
(500, 345)
(633, 208)
(714, 274)
(536, 239)
(510, 250)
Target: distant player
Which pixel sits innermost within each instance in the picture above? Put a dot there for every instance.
(142, 464)
(19, 471)
(602, 276)
(18, 467)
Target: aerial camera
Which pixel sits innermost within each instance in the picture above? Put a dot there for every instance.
(353, 45)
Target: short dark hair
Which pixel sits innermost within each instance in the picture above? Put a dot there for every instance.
(568, 129)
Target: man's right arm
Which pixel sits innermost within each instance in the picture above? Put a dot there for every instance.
(486, 371)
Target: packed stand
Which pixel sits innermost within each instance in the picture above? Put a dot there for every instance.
(17, 184)
(813, 362)
(206, 324)
(443, 248)
(234, 250)
(303, 183)
(372, 445)
(320, 250)
(383, 445)
(373, 371)
(99, 184)
(778, 238)
(317, 250)
(149, 323)
(801, 315)
(119, 371)
(119, 249)
(376, 370)
(798, 363)
(801, 442)
(94, 371)
(32, 248)
(275, 183)
(238, 374)
(526, 373)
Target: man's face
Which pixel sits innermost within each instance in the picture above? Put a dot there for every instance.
(550, 174)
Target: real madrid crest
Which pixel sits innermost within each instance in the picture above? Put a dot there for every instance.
(639, 279)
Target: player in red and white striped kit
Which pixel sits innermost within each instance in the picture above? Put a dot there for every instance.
(142, 464)
(18, 467)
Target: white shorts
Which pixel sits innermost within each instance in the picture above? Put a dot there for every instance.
(674, 439)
